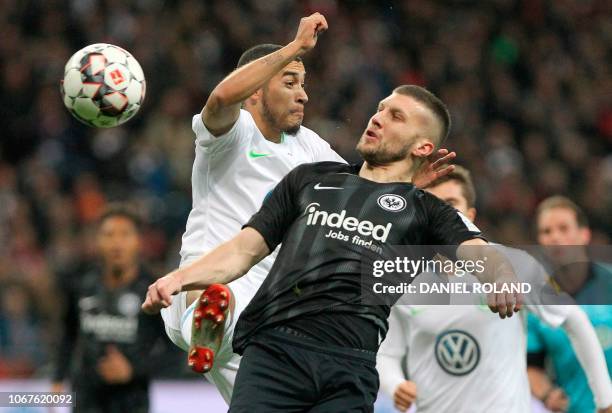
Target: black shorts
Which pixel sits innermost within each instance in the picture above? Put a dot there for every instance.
(281, 372)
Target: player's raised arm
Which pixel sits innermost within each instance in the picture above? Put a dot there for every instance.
(222, 265)
(223, 105)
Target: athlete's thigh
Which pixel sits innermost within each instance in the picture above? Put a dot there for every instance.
(349, 386)
(268, 381)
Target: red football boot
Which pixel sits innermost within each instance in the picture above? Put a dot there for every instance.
(208, 327)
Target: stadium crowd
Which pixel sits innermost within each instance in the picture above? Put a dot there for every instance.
(527, 82)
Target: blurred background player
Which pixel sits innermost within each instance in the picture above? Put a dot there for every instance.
(462, 358)
(562, 223)
(109, 348)
(248, 137)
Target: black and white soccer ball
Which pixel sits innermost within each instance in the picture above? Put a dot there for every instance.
(103, 85)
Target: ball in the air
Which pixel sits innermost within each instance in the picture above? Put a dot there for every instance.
(103, 85)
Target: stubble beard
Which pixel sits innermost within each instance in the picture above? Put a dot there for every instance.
(275, 121)
(382, 155)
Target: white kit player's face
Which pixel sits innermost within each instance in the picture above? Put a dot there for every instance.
(559, 226)
(557, 229)
(283, 99)
(400, 128)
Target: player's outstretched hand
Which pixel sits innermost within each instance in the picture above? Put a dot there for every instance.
(308, 30)
(159, 294)
(436, 166)
(405, 394)
(505, 303)
(606, 410)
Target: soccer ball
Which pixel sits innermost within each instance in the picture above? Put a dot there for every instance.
(103, 85)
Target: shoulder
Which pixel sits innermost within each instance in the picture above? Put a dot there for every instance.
(244, 125)
(305, 173)
(426, 197)
(312, 142)
(322, 168)
(424, 200)
(244, 117)
(309, 137)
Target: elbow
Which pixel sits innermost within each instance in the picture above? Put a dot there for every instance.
(218, 99)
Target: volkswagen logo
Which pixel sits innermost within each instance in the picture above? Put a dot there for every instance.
(457, 352)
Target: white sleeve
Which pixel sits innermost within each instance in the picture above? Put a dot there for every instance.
(553, 315)
(530, 270)
(240, 130)
(391, 353)
(588, 351)
(326, 153)
(321, 150)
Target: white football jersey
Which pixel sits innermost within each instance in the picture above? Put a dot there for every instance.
(231, 176)
(463, 358)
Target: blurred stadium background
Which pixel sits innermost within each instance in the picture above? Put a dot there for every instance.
(528, 83)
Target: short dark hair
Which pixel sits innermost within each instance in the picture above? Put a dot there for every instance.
(118, 209)
(258, 51)
(558, 201)
(433, 103)
(464, 178)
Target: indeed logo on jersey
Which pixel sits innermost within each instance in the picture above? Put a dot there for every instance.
(351, 224)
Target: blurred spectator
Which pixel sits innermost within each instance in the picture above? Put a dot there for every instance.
(20, 336)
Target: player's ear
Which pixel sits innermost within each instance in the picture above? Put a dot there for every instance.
(254, 98)
(471, 214)
(422, 148)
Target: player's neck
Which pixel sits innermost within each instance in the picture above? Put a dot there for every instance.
(393, 172)
(118, 277)
(268, 131)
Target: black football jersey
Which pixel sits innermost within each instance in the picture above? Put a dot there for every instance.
(328, 219)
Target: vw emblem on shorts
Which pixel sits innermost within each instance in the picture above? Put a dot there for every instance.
(391, 202)
(457, 352)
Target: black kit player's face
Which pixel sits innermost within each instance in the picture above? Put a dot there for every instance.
(118, 242)
(283, 98)
(395, 130)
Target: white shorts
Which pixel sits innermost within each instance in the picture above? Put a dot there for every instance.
(178, 320)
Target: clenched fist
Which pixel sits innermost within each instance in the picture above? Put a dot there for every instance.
(309, 29)
(405, 394)
(159, 294)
